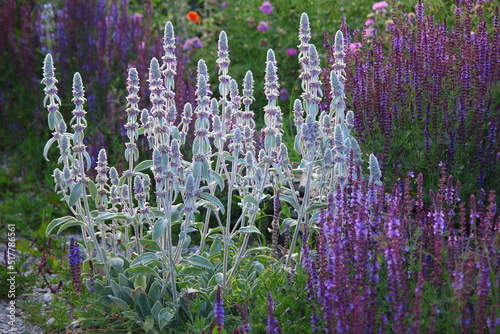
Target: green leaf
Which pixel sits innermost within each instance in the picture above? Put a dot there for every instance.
(216, 245)
(119, 302)
(316, 206)
(116, 263)
(143, 259)
(159, 229)
(54, 223)
(47, 147)
(165, 318)
(143, 165)
(69, 224)
(92, 189)
(249, 229)
(219, 180)
(304, 163)
(290, 200)
(215, 200)
(141, 271)
(199, 261)
(149, 323)
(250, 199)
(278, 170)
(288, 222)
(75, 195)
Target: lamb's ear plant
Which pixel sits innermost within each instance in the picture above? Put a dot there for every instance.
(139, 256)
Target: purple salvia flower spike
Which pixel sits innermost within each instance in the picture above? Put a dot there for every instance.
(272, 324)
(75, 262)
(219, 312)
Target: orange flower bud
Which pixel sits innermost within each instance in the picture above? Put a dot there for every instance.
(193, 17)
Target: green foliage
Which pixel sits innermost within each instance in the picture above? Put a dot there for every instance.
(53, 317)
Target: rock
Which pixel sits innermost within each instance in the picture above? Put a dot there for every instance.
(47, 297)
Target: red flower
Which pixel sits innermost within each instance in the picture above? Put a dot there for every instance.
(193, 17)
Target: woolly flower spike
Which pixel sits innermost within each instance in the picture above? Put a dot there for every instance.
(186, 119)
(339, 55)
(375, 173)
(349, 120)
(133, 89)
(304, 35)
(75, 263)
(78, 95)
(169, 37)
(337, 106)
(79, 118)
(271, 86)
(223, 62)
(248, 90)
(219, 312)
(169, 60)
(298, 114)
(51, 92)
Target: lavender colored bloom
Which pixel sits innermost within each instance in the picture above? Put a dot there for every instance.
(272, 324)
(219, 312)
(263, 26)
(75, 263)
(284, 95)
(225, 4)
(369, 22)
(192, 43)
(291, 52)
(266, 7)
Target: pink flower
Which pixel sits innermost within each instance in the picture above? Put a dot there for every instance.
(354, 46)
(266, 7)
(368, 32)
(369, 22)
(379, 7)
(263, 26)
(291, 52)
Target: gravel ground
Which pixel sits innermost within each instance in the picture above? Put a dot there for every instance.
(13, 316)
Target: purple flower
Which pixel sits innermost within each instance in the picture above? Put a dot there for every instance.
(379, 7)
(354, 46)
(272, 324)
(369, 22)
(284, 94)
(263, 26)
(225, 4)
(266, 7)
(219, 311)
(192, 43)
(291, 52)
(75, 262)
